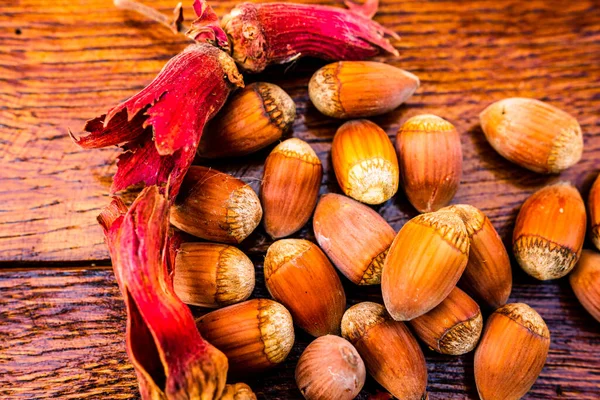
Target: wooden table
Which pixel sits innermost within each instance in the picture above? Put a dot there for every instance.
(62, 320)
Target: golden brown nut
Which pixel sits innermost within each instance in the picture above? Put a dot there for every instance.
(488, 275)
(365, 162)
(290, 187)
(585, 281)
(212, 275)
(533, 134)
(253, 118)
(354, 237)
(390, 352)
(550, 231)
(357, 89)
(430, 156)
(216, 206)
(425, 261)
(254, 335)
(330, 369)
(238, 391)
(300, 276)
(453, 327)
(594, 208)
(512, 352)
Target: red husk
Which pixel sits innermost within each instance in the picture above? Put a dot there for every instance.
(276, 33)
(170, 358)
(207, 27)
(161, 126)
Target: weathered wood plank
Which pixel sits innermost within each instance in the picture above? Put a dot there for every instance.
(62, 336)
(61, 330)
(64, 62)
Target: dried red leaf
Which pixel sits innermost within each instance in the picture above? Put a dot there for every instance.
(276, 33)
(207, 27)
(170, 358)
(189, 90)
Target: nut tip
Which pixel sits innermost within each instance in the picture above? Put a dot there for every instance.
(283, 251)
(525, 316)
(244, 213)
(278, 104)
(449, 225)
(297, 148)
(359, 318)
(472, 217)
(463, 337)
(276, 330)
(235, 277)
(427, 123)
(543, 259)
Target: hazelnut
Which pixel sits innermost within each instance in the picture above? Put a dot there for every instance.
(430, 156)
(390, 352)
(357, 89)
(254, 335)
(594, 209)
(212, 275)
(237, 391)
(550, 231)
(533, 134)
(354, 237)
(290, 187)
(512, 352)
(453, 327)
(330, 369)
(216, 206)
(365, 162)
(300, 276)
(424, 263)
(585, 281)
(488, 275)
(253, 118)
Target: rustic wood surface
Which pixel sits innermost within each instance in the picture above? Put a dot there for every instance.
(62, 62)
(63, 331)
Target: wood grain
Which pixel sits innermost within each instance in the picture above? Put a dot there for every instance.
(64, 62)
(62, 336)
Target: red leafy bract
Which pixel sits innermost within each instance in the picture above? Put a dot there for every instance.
(161, 126)
(170, 358)
(275, 33)
(207, 27)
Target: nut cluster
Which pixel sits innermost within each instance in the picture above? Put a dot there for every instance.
(422, 269)
(435, 272)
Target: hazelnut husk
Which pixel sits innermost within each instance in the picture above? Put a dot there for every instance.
(290, 187)
(585, 281)
(488, 275)
(453, 327)
(365, 162)
(354, 237)
(549, 231)
(512, 352)
(300, 276)
(424, 263)
(390, 352)
(330, 368)
(533, 134)
(254, 335)
(357, 89)
(216, 206)
(253, 118)
(212, 275)
(430, 156)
